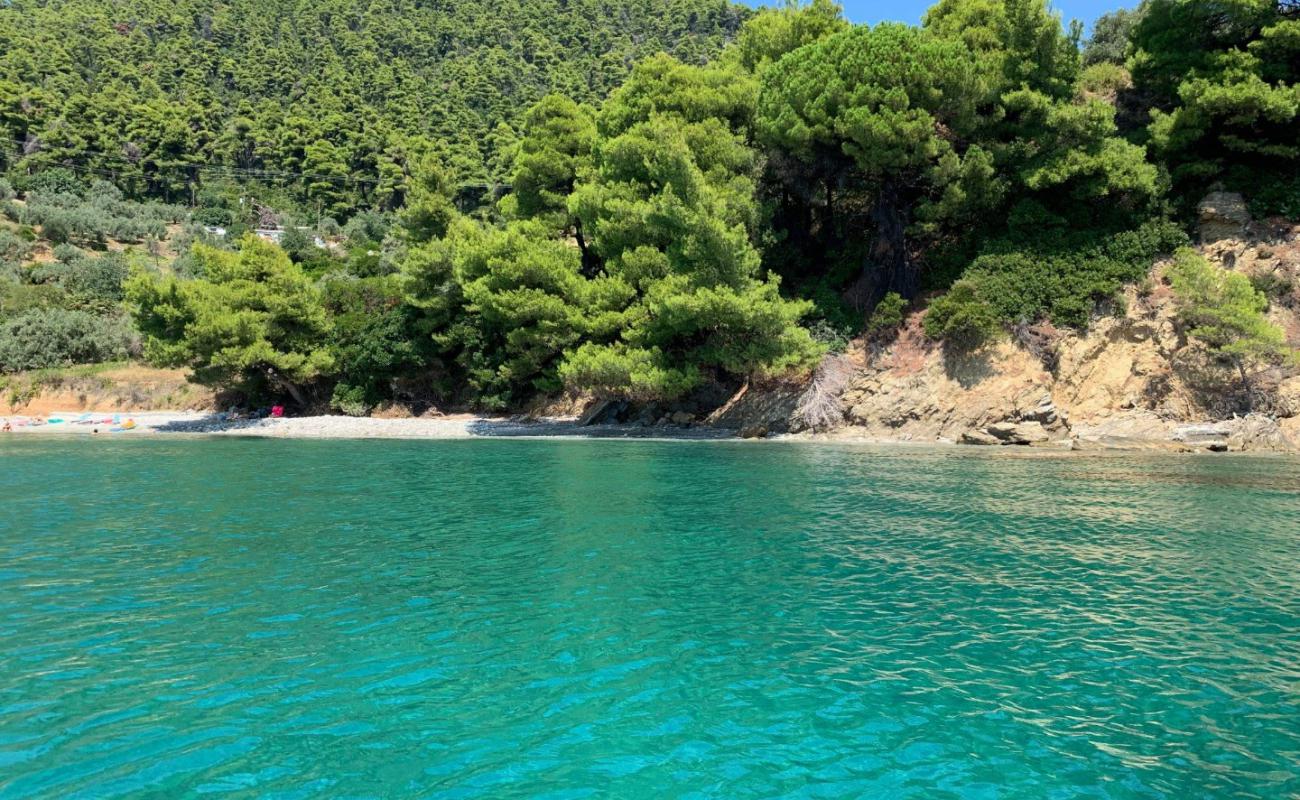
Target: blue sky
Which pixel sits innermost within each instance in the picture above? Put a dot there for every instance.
(872, 11)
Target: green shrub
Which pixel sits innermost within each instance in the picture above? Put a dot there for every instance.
(51, 181)
(57, 230)
(962, 318)
(1278, 195)
(888, 313)
(1225, 312)
(351, 400)
(97, 281)
(1105, 79)
(376, 339)
(6, 190)
(57, 337)
(98, 216)
(1066, 279)
(1275, 286)
(830, 336)
(212, 216)
(368, 226)
(18, 297)
(12, 247)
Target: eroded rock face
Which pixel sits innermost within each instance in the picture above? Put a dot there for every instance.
(1223, 215)
(1257, 432)
(913, 390)
(1130, 381)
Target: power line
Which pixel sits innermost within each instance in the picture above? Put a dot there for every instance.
(229, 171)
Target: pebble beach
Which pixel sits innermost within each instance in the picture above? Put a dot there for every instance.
(460, 426)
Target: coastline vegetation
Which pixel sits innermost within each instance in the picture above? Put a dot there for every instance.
(709, 195)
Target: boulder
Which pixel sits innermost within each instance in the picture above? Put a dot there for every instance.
(1044, 413)
(1257, 432)
(1019, 433)
(1223, 215)
(1203, 432)
(753, 432)
(603, 412)
(976, 437)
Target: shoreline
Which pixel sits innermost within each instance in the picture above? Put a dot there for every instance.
(466, 427)
(150, 424)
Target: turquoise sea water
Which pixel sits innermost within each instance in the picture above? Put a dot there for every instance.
(575, 619)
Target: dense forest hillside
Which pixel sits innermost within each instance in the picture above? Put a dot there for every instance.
(157, 96)
(479, 204)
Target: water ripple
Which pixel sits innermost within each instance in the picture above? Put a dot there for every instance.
(576, 619)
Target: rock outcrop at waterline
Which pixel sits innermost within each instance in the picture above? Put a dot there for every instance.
(1133, 380)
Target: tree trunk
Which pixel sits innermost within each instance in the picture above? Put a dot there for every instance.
(1245, 385)
(830, 211)
(591, 265)
(889, 251)
(287, 386)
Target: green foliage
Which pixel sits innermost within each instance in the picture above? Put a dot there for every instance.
(1224, 79)
(1104, 79)
(513, 302)
(1110, 36)
(375, 340)
(13, 248)
(962, 317)
(328, 103)
(784, 29)
(1064, 279)
(670, 209)
(1020, 40)
(429, 208)
(542, 195)
(254, 321)
(1225, 312)
(54, 337)
(1274, 286)
(17, 298)
(100, 214)
(888, 313)
(51, 181)
(1065, 158)
(90, 282)
(889, 106)
(875, 96)
(558, 135)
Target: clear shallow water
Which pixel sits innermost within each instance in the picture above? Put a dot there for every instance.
(503, 619)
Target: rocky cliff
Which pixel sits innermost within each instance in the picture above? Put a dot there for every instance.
(1133, 379)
